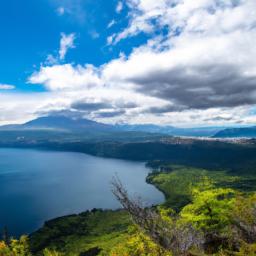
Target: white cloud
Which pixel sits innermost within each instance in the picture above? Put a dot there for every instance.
(66, 43)
(51, 60)
(21, 107)
(119, 7)
(206, 60)
(109, 40)
(7, 87)
(86, 85)
(66, 77)
(111, 24)
(202, 16)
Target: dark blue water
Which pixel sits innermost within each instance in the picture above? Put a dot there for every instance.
(39, 185)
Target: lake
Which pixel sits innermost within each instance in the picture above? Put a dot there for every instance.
(40, 185)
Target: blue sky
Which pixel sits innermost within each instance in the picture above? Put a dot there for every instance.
(177, 62)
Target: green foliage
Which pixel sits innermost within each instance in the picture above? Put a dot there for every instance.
(178, 183)
(244, 210)
(225, 216)
(210, 209)
(16, 247)
(47, 252)
(138, 244)
(247, 250)
(75, 234)
(4, 249)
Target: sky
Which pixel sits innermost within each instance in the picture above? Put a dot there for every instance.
(170, 62)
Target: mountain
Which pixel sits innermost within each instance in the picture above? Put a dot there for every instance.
(60, 123)
(173, 131)
(67, 124)
(246, 132)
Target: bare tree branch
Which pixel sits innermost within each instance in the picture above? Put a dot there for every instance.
(177, 238)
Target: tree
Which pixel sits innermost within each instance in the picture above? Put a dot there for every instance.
(210, 209)
(178, 238)
(243, 216)
(17, 247)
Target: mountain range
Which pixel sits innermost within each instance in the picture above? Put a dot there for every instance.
(79, 125)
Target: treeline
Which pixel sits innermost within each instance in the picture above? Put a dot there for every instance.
(210, 155)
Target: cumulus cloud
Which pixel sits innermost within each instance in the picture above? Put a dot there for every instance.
(66, 43)
(103, 99)
(66, 77)
(84, 89)
(205, 61)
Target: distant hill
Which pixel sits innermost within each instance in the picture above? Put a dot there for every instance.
(67, 124)
(247, 132)
(173, 131)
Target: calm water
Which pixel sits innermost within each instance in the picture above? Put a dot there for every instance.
(39, 185)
